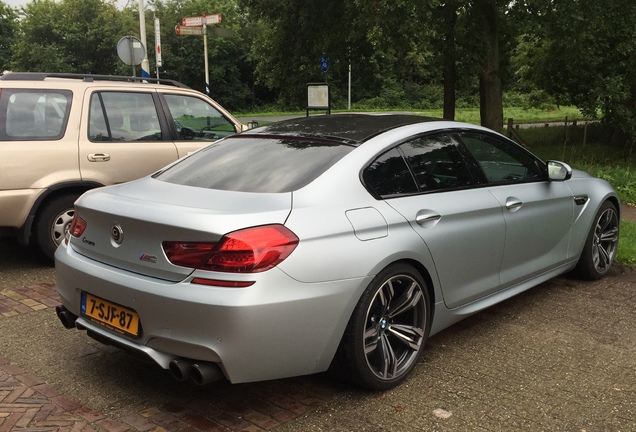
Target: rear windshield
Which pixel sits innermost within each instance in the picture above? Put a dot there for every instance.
(256, 164)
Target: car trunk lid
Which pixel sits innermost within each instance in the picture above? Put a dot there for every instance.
(126, 224)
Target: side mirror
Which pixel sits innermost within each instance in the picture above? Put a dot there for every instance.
(559, 171)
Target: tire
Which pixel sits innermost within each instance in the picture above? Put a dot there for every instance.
(52, 224)
(601, 244)
(387, 331)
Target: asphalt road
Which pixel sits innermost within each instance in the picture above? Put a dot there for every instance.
(561, 356)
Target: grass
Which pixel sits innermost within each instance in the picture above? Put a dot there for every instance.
(627, 244)
(587, 150)
(467, 115)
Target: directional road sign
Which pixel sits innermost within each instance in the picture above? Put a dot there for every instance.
(199, 21)
(188, 31)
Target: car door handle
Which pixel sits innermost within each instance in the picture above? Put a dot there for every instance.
(99, 157)
(427, 217)
(513, 204)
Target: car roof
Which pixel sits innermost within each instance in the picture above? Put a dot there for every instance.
(353, 129)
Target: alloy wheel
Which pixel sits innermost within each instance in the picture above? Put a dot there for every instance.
(395, 327)
(605, 240)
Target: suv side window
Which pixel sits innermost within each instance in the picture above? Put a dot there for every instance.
(195, 119)
(121, 116)
(502, 162)
(33, 114)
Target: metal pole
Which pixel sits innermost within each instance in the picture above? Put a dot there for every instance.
(205, 56)
(349, 95)
(132, 55)
(145, 66)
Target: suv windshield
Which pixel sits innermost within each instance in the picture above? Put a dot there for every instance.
(256, 164)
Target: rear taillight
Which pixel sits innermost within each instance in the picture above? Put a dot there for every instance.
(250, 250)
(78, 225)
(187, 254)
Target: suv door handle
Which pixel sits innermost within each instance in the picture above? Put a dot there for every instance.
(99, 157)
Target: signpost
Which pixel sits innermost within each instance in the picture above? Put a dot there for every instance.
(196, 26)
(157, 45)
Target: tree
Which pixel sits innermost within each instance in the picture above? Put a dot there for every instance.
(8, 24)
(583, 52)
(291, 37)
(77, 36)
(386, 43)
(488, 32)
(183, 56)
(449, 11)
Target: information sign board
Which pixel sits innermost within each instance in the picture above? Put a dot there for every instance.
(318, 97)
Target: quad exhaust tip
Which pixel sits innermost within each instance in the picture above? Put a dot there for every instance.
(200, 373)
(66, 317)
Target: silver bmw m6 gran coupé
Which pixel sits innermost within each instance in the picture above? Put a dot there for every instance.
(336, 241)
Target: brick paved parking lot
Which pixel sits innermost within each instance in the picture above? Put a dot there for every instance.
(559, 357)
(28, 403)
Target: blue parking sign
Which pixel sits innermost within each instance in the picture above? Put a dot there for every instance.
(324, 62)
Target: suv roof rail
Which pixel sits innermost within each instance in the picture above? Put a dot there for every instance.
(41, 76)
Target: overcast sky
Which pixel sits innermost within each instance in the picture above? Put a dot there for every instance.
(14, 3)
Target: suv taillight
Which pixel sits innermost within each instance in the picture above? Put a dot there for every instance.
(249, 250)
(78, 225)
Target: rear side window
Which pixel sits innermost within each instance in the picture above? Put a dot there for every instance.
(123, 116)
(33, 114)
(389, 175)
(256, 164)
(424, 164)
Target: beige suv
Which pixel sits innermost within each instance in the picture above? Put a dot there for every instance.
(63, 134)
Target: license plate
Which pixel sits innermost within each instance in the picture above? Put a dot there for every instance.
(111, 315)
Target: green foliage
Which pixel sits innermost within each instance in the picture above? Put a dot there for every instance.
(627, 244)
(595, 155)
(76, 36)
(581, 53)
(183, 56)
(8, 25)
(540, 55)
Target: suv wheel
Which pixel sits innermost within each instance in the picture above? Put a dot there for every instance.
(53, 223)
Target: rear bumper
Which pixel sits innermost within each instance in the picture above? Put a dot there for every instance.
(276, 328)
